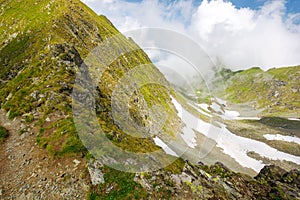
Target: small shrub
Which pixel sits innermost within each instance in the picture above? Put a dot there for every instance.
(3, 133)
(29, 118)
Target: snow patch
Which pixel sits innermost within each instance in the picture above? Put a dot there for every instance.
(188, 135)
(165, 147)
(294, 119)
(221, 101)
(233, 145)
(282, 138)
(200, 111)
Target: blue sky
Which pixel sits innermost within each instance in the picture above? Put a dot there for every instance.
(240, 33)
(293, 6)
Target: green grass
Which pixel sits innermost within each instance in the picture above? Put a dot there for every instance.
(280, 122)
(37, 65)
(118, 185)
(12, 54)
(277, 193)
(256, 85)
(37, 69)
(176, 167)
(3, 134)
(60, 138)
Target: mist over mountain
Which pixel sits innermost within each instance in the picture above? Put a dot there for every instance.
(241, 37)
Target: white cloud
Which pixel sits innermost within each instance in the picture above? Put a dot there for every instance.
(240, 37)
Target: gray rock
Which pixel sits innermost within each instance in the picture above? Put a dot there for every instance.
(109, 189)
(21, 197)
(185, 177)
(95, 172)
(76, 162)
(24, 135)
(35, 95)
(176, 179)
(8, 97)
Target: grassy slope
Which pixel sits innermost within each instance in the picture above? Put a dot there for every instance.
(29, 66)
(3, 134)
(42, 44)
(275, 90)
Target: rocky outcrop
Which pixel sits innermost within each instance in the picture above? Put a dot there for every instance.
(96, 174)
(271, 172)
(283, 184)
(218, 182)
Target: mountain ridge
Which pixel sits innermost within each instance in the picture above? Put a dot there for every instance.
(275, 91)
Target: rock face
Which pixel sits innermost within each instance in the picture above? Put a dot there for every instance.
(284, 185)
(218, 182)
(95, 172)
(271, 172)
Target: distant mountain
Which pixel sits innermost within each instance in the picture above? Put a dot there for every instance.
(275, 91)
